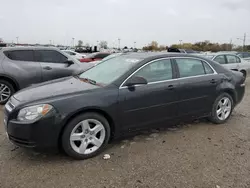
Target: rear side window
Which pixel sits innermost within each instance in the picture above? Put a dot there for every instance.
(49, 56)
(232, 59)
(20, 55)
(190, 67)
(220, 59)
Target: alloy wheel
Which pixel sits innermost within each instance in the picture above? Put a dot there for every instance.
(224, 108)
(87, 136)
(5, 92)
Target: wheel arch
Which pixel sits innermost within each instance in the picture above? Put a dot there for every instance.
(232, 93)
(11, 80)
(89, 110)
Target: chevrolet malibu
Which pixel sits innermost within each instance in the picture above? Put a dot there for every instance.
(83, 113)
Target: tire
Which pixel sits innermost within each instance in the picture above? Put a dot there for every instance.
(218, 119)
(9, 90)
(72, 148)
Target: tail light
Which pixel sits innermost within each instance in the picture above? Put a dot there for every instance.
(85, 60)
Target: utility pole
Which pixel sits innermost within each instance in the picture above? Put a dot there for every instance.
(119, 43)
(230, 47)
(73, 39)
(180, 42)
(244, 41)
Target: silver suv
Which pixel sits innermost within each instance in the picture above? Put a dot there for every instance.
(23, 66)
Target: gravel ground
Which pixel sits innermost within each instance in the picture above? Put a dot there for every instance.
(200, 154)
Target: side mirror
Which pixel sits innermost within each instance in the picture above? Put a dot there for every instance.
(136, 80)
(69, 62)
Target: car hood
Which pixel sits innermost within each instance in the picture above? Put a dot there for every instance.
(62, 86)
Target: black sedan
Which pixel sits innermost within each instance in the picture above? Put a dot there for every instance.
(83, 113)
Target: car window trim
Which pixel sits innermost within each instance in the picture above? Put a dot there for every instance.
(169, 80)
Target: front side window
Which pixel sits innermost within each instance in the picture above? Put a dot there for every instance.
(190, 67)
(231, 59)
(220, 59)
(20, 55)
(49, 56)
(157, 71)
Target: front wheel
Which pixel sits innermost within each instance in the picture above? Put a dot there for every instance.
(222, 108)
(86, 136)
(6, 90)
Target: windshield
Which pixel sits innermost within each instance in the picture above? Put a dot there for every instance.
(109, 70)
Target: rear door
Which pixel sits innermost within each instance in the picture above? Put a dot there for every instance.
(197, 90)
(54, 64)
(20, 65)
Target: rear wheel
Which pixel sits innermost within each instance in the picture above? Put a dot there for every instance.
(86, 136)
(6, 90)
(222, 108)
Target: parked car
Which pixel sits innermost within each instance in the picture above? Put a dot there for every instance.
(230, 61)
(23, 66)
(109, 57)
(140, 90)
(95, 57)
(185, 51)
(243, 55)
(75, 54)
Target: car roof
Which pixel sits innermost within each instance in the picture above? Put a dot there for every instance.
(28, 48)
(145, 55)
(218, 53)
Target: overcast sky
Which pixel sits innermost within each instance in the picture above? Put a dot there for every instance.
(167, 22)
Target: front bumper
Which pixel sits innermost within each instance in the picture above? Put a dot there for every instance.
(42, 134)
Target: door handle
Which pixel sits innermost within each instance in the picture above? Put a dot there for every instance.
(47, 68)
(170, 87)
(213, 81)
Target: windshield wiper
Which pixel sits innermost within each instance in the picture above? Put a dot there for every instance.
(88, 80)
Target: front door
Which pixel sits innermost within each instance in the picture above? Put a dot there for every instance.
(197, 90)
(152, 103)
(54, 64)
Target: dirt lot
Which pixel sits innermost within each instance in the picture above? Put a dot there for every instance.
(199, 155)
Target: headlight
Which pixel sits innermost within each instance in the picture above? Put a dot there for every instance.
(33, 112)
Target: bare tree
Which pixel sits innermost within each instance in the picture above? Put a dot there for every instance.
(80, 43)
(103, 44)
